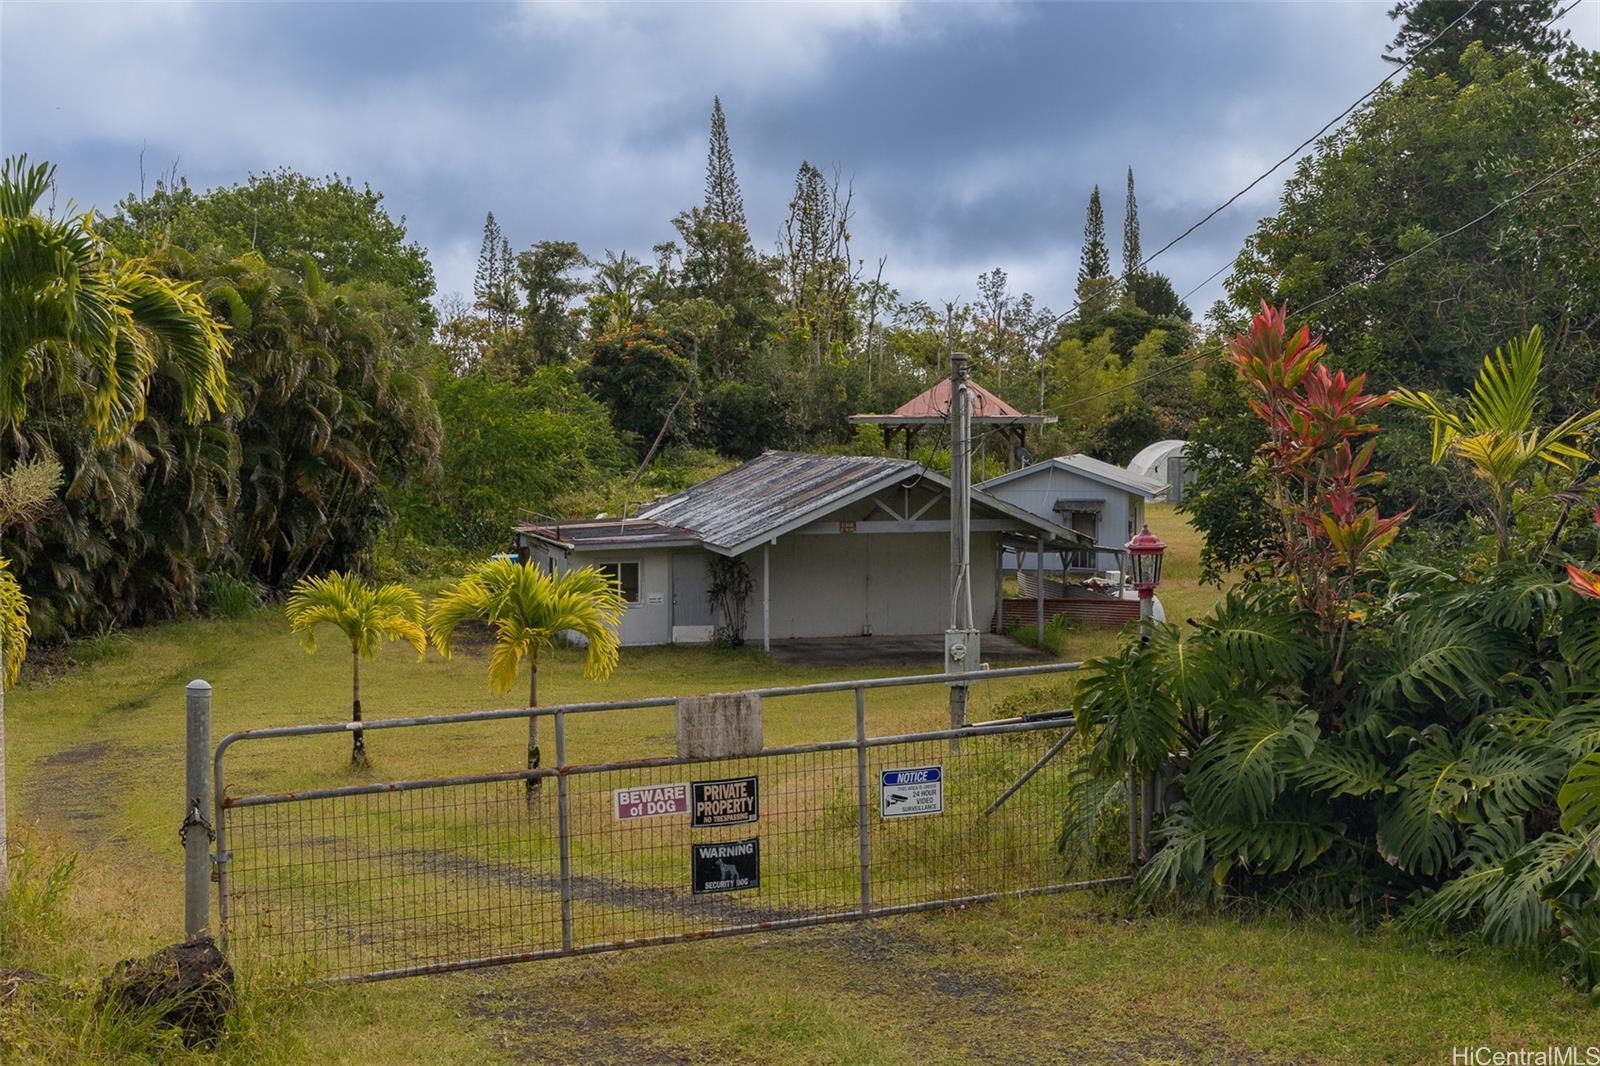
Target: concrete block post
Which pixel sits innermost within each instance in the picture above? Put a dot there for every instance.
(196, 831)
(719, 725)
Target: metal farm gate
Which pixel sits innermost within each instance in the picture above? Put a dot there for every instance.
(360, 882)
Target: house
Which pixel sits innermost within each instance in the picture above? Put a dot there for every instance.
(828, 545)
(1101, 500)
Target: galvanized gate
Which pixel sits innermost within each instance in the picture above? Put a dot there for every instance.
(370, 881)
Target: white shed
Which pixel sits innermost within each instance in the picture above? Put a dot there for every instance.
(1163, 461)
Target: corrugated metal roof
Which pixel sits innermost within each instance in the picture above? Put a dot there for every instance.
(601, 532)
(773, 493)
(1094, 469)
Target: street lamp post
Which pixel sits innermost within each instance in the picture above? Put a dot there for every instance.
(1144, 559)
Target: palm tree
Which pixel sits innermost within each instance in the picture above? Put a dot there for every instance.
(362, 613)
(530, 610)
(1498, 434)
(75, 322)
(78, 322)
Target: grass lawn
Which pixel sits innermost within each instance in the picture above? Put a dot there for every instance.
(96, 764)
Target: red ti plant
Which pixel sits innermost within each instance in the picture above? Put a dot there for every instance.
(1585, 582)
(1315, 468)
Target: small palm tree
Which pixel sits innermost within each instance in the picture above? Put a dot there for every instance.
(1498, 434)
(362, 613)
(529, 611)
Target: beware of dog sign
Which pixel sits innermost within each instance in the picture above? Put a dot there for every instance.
(649, 801)
(728, 867)
(918, 790)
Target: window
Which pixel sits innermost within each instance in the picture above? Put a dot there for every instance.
(625, 576)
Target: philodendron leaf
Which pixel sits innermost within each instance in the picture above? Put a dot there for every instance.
(1580, 795)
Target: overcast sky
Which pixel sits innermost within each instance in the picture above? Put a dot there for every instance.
(973, 133)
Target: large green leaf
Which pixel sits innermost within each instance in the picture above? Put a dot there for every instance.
(1124, 702)
(1179, 856)
(1240, 769)
(1260, 640)
(1415, 837)
(1295, 835)
(1438, 656)
(1338, 767)
(1579, 797)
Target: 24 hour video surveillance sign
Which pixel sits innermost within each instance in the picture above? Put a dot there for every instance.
(916, 790)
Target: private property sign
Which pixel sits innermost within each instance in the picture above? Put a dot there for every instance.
(918, 790)
(732, 801)
(649, 801)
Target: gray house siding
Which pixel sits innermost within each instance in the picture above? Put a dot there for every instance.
(650, 620)
(854, 584)
(1118, 521)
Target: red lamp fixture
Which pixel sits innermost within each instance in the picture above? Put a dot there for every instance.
(1144, 554)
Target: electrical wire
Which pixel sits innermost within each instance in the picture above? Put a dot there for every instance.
(1377, 273)
(1553, 19)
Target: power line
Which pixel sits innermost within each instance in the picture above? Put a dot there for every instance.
(1553, 19)
(1379, 272)
(1230, 201)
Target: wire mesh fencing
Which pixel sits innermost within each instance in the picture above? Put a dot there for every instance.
(373, 881)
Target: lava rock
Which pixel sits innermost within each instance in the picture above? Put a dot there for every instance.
(190, 984)
(13, 979)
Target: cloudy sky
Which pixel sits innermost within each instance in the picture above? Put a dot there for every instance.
(973, 134)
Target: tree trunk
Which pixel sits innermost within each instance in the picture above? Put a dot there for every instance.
(533, 726)
(358, 746)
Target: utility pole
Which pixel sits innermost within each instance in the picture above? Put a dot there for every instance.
(961, 639)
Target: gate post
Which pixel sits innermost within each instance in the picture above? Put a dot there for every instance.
(196, 802)
(863, 817)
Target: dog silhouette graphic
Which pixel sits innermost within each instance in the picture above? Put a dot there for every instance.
(726, 871)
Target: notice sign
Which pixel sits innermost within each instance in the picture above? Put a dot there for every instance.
(649, 801)
(919, 790)
(729, 867)
(729, 802)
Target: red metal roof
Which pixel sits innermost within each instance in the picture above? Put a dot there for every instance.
(935, 403)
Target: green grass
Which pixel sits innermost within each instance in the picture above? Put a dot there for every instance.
(96, 765)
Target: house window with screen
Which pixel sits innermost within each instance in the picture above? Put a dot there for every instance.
(626, 576)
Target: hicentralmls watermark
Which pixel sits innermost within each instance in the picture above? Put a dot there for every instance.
(1566, 1055)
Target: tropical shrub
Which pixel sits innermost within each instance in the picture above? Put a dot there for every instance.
(510, 448)
(1420, 739)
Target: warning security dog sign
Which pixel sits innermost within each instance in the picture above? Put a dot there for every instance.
(733, 801)
(919, 790)
(729, 867)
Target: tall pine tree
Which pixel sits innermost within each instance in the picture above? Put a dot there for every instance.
(489, 279)
(724, 204)
(1095, 284)
(1131, 255)
(720, 264)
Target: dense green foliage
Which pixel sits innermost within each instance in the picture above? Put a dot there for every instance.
(1418, 738)
(512, 447)
(286, 217)
(1476, 125)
